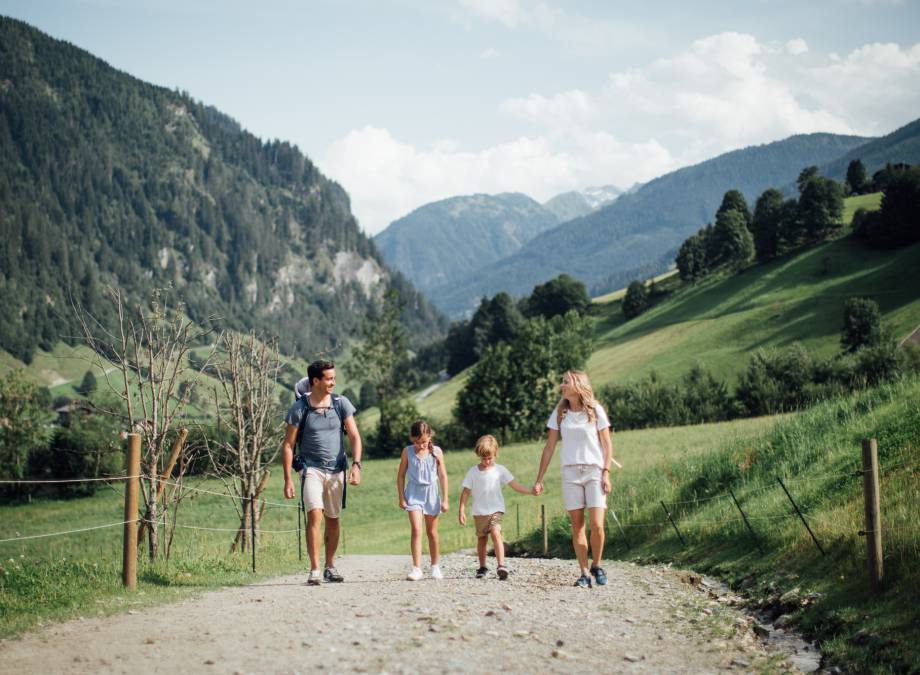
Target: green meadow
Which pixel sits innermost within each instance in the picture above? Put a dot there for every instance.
(53, 578)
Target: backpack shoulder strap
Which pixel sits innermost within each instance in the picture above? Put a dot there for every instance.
(303, 418)
(339, 410)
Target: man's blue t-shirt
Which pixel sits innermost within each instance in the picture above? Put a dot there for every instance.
(322, 445)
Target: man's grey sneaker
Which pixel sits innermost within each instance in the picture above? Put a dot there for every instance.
(502, 572)
(481, 572)
(600, 576)
(584, 581)
(314, 578)
(332, 575)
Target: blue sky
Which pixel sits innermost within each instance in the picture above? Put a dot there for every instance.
(408, 101)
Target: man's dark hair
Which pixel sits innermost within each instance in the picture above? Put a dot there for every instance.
(316, 369)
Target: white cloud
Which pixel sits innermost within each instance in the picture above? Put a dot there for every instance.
(563, 108)
(720, 93)
(581, 33)
(726, 91)
(387, 178)
(489, 53)
(877, 85)
(797, 46)
(508, 12)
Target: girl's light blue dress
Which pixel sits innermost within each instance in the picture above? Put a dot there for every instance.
(421, 492)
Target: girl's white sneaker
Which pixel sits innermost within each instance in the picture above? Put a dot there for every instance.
(415, 574)
(436, 572)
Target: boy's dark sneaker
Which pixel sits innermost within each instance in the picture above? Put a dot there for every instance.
(502, 572)
(331, 575)
(584, 581)
(600, 576)
(481, 572)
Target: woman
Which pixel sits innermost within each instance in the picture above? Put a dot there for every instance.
(587, 452)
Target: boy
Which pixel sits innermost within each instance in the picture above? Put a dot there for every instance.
(485, 482)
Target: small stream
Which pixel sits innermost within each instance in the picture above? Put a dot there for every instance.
(803, 655)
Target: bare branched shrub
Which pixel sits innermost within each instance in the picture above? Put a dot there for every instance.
(149, 347)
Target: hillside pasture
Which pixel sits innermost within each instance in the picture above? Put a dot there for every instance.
(719, 322)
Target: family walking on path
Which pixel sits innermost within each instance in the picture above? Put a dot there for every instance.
(314, 445)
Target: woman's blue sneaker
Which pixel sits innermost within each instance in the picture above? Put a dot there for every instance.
(584, 581)
(600, 576)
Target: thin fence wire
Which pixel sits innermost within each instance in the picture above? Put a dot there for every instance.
(57, 534)
(67, 480)
(236, 497)
(233, 529)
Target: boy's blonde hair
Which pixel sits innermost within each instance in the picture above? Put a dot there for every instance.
(486, 446)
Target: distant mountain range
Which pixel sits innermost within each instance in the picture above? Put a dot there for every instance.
(108, 180)
(574, 204)
(445, 241)
(637, 235)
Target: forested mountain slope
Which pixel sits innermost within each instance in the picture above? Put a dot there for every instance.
(443, 241)
(105, 179)
(636, 234)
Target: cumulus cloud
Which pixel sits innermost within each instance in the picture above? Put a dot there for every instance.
(796, 46)
(564, 108)
(581, 33)
(508, 12)
(387, 178)
(726, 91)
(720, 93)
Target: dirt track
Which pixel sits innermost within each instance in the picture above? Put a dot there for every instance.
(645, 620)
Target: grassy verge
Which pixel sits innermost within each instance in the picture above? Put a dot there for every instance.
(816, 453)
(56, 578)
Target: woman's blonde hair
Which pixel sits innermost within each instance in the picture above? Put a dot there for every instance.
(421, 429)
(582, 386)
(486, 446)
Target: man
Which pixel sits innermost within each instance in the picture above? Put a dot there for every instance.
(322, 450)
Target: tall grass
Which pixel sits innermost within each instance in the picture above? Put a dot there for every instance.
(817, 454)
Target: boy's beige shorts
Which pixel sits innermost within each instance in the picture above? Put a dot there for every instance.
(485, 524)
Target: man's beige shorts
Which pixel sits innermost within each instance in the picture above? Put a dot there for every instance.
(323, 490)
(485, 524)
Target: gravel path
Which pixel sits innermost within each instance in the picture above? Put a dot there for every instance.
(646, 620)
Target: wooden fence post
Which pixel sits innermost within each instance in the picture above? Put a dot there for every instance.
(545, 534)
(132, 488)
(873, 529)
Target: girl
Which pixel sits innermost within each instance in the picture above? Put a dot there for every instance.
(424, 463)
(587, 452)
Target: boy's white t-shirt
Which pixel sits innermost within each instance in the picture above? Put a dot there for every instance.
(581, 443)
(486, 488)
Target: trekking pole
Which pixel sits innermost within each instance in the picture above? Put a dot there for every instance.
(299, 543)
(252, 527)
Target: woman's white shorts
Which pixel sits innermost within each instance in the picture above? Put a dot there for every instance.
(581, 487)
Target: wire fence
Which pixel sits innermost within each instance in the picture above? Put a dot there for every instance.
(681, 515)
(264, 507)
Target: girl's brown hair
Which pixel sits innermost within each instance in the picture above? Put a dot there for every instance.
(421, 429)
